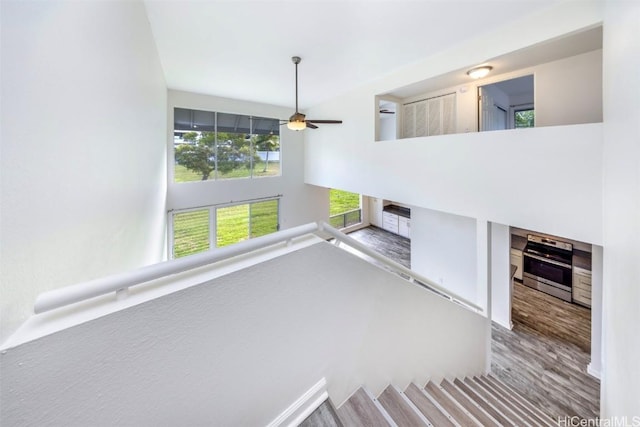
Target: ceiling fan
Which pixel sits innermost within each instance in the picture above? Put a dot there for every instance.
(298, 120)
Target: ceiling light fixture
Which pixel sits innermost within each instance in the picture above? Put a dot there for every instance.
(479, 72)
(296, 121)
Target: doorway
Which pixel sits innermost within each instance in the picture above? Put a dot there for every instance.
(508, 104)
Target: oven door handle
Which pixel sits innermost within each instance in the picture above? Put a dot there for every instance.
(550, 261)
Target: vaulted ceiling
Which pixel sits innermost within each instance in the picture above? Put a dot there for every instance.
(242, 49)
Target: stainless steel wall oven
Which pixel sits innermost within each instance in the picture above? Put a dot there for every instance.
(547, 266)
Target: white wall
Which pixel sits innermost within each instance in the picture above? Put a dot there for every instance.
(472, 175)
(501, 275)
(443, 249)
(301, 203)
(83, 159)
(620, 387)
(567, 91)
(479, 175)
(257, 338)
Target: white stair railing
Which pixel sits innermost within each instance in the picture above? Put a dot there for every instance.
(120, 283)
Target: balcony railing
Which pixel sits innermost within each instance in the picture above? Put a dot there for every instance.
(120, 283)
(346, 219)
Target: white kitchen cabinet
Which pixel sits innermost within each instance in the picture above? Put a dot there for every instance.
(390, 222)
(516, 259)
(404, 226)
(582, 286)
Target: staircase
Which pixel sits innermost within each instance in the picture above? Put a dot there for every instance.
(477, 401)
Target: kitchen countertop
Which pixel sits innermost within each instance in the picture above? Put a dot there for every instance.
(513, 270)
(398, 210)
(582, 259)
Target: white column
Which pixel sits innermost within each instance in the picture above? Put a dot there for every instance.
(501, 283)
(596, 312)
(483, 273)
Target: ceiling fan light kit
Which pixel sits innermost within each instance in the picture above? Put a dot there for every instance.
(298, 121)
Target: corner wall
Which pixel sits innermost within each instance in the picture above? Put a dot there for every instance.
(83, 161)
(620, 391)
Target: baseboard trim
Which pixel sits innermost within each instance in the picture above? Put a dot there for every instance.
(593, 371)
(303, 406)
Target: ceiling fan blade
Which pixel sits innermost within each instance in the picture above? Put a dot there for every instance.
(311, 125)
(324, 121)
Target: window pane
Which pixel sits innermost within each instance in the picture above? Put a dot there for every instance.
(211, 145)
(524, 119)
(266, 145)
(342, 201)
(344, 208)
(264, 218)
(190, 232)
(234, 156)
(232, 225)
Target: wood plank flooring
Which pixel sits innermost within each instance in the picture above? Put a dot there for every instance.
(391, 245)
(544, 357)
(324, 416)
(552, 316)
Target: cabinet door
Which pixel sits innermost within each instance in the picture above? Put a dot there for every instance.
(404, 227)
(390, 222)
(516, 259)
(582, 286)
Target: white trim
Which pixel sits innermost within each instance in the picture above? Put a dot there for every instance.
(591, 370)
(378, 405)
(437, 404)
(303, 406)
(457, 403)
(413, 406)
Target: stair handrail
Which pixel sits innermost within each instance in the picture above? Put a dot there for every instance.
(121, 282)
(412, 276)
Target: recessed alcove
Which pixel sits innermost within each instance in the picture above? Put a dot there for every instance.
(567, 80)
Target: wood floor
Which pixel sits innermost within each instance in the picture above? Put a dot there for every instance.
(391, 245)
(552, 316)
(544, 357)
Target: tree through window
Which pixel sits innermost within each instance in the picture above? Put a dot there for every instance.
(210, 145)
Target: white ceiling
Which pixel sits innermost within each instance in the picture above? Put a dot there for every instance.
(242, 49)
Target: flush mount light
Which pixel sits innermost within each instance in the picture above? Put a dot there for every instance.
(479, 72)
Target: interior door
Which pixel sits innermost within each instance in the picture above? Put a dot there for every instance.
(485, 110)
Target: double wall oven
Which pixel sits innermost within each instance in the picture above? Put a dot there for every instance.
(547, 266)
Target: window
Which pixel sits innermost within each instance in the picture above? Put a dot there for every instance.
(344, 209)
(191, 230)
(524, 118)
(210, 145)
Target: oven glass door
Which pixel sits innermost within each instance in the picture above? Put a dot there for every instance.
(556, 274)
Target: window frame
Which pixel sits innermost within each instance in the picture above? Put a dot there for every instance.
(171, 147)
(213, 221)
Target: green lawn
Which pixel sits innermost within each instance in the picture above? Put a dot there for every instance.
(182, 174)
(234, 223)
(342, 201)
(191, 232)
